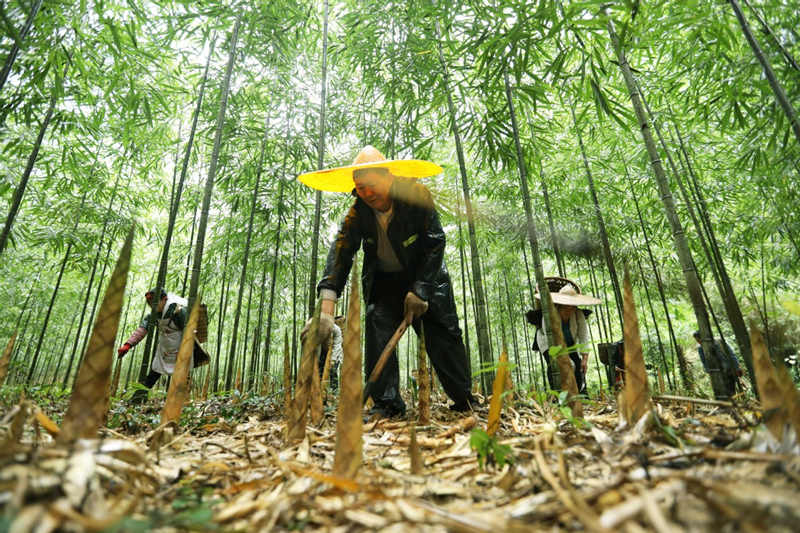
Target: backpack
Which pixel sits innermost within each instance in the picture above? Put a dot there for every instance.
(202, 324)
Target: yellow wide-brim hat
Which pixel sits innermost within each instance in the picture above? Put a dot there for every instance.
(340, 179)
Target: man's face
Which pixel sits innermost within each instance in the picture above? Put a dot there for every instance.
(372, 186)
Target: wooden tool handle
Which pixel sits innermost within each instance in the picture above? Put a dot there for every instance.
(390, 346)
(384, 357)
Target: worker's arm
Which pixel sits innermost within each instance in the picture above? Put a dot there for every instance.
(340, 260)
(432, 244)
(136, 337)
(337, 268)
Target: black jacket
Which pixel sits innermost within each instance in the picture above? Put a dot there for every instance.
(415, 233)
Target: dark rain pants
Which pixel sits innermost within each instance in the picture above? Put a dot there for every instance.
(442, 340)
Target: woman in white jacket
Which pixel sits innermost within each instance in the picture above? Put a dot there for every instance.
(573, 327)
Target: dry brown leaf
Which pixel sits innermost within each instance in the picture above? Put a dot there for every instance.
(637, 396)
(6, 358)
(769, 390)
(496, 405)
(179, 384)
(90, 395)
(47, 423)
(18, 420)
(347, 459)
(296, 420)
(316, 394)
(287, 375)
(465, 424)
(423, 380)
(343, 483)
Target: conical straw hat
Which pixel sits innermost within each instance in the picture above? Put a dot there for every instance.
(340, 179)
(567, 295)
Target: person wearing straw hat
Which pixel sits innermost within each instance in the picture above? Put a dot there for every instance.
(170, 318)
(394, 218)
(573, 327)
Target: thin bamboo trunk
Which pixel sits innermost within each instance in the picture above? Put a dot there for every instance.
(685, 378)
(533, 301)
(90, 284)
(243, 273)
(43, 330)
(194, 285)
(601, 323)
(125, 326)
(768, 30)
(560, 264)
(55, 293)
(767, 335)
(173, 212)
(26, 357)
(690, 207)
(222, 308)
(19, 192)
(189, 250)
(97, 292)
(652, 315)
(732, 307)
(511, 323)
(777, 88)
(61, 352)
(254, 362)
(562, 271)
(527, 345)
(605, 300)
(276, 252)
(678, 234)
(577, 268)
(18, 41)
(312, 282)
(484, 345)
(548, 310)
(294, 285)
(247, 338)
(601, 224)
(464, 276)
(501, 319)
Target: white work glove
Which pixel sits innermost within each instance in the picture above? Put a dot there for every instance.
(323, 330)
(414, 305)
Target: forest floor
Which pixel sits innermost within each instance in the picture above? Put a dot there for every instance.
(685, 466)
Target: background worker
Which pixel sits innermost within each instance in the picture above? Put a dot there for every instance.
(574, 329)
(403, 272)
(170, 318)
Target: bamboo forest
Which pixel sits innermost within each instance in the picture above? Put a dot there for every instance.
(383, 265)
